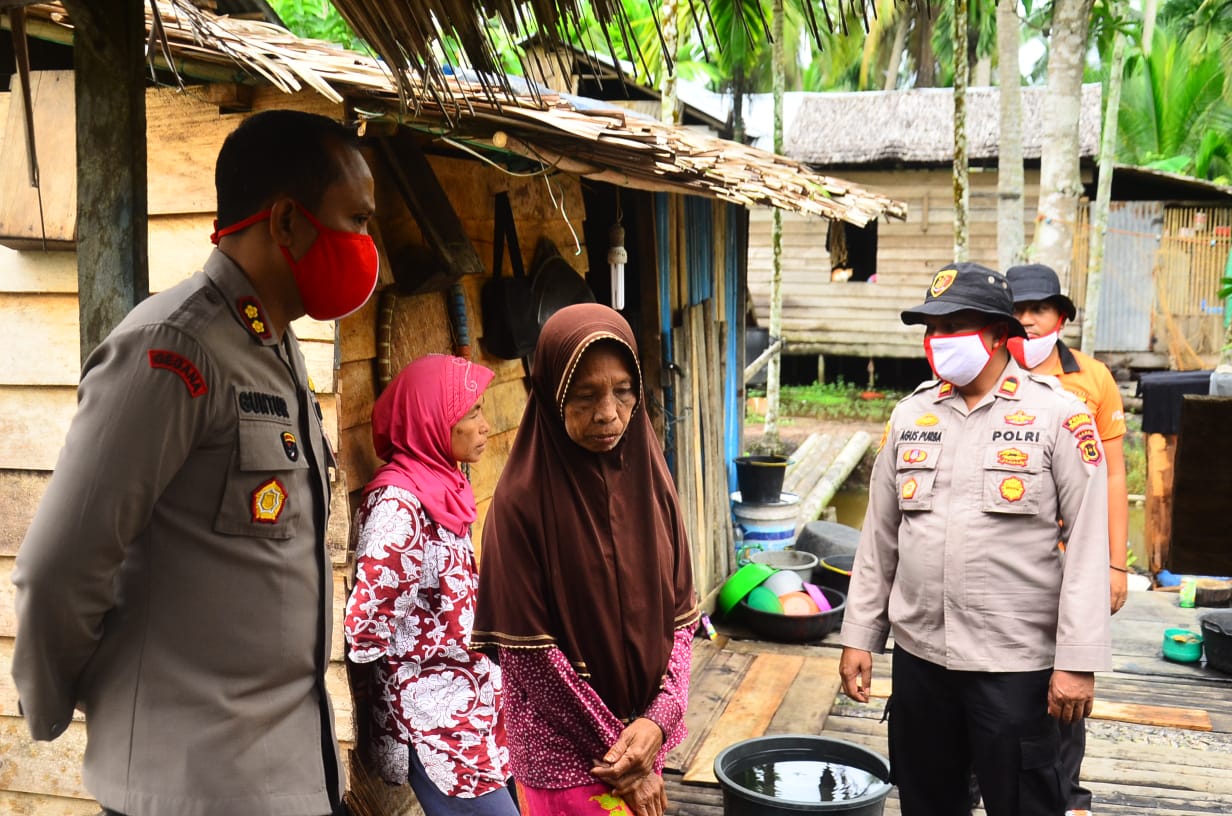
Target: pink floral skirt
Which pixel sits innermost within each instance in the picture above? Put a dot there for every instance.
(587, 800)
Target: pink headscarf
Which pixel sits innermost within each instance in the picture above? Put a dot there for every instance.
(412, 427)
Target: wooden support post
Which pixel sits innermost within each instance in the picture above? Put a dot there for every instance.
(112, 264)
(1160, 451)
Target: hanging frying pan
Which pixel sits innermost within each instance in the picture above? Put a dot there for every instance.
(555, 284)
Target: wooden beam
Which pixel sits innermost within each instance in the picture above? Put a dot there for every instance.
(112, 263)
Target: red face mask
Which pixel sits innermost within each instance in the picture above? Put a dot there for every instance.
(337, 274)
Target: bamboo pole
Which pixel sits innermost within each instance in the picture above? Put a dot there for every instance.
(833, 478)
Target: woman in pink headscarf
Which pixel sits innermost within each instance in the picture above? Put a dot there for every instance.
(436, 710)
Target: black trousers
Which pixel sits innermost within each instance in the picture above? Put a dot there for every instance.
(944, 723)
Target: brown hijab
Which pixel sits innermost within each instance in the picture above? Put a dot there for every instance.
(581, 550)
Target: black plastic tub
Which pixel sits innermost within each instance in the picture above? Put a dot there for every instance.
(738, 758)
(1217, 639)
(796, 628)
(760, 478)
(834, 571)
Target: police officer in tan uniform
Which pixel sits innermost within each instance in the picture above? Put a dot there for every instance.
(174, 585)
(981, 475)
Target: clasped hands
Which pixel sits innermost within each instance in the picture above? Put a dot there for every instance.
(628, 766)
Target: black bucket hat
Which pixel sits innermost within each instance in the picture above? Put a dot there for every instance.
(967, 287)
(1031, 282)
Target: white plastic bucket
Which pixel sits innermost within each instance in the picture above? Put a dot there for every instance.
(761, 527)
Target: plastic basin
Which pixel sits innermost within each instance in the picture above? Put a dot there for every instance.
(740, 584)
(795, 628)
(739, 800)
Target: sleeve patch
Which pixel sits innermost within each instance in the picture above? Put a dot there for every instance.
(182, 367)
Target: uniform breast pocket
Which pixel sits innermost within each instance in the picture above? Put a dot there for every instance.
(1013, 479)
(262, 497)
(915, 470)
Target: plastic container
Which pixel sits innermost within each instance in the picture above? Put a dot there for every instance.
(798, 603)
(1182, 645)
(738, 800)
(1217, 634)
(761, 477)
(764, 527)
(740, 584)
(795, 628)
(834, 571)
(801, 563)
(763, 599)
(783, 582)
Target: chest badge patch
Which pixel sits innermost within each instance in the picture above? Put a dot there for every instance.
(182, 367)
(268, 502)
(909, 489)
(1013, 489)
(927, 420)
(1012, 457)
(1009, 387)
(1079, 420)
(290, 445)
(253, 317)
(1020, 418)
(913, 456)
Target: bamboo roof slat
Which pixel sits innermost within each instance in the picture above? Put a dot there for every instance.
(622, 146)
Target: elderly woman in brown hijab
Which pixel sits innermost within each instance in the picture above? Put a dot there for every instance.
(586, 588)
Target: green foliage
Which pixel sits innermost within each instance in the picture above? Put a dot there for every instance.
(838, 400)
(318, 20)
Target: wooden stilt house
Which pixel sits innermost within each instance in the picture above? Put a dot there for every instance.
(570, 167)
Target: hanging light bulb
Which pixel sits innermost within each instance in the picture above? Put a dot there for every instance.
(617, 257)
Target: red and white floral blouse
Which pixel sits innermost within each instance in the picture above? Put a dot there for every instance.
(412, 610)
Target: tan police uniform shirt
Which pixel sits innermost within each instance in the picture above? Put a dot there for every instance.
(959, 555)
(174, 584)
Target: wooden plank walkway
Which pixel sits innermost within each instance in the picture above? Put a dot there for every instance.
(1163, 744)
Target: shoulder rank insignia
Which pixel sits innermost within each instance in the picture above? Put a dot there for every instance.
(253, 317)
(1009, 387)
(1020, 417)
(946, 389)
(268, 502)
(1012, 489)
(182, 367)
(927, 420)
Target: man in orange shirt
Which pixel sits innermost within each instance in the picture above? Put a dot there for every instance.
(1043, 310)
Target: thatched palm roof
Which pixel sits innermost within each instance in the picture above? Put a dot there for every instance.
(570, 134)
(917, 126)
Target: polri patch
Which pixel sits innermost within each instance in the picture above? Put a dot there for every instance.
(1009, 386)
(913, 456)
(268, 502)
(254, 318)
(885, 433)
(941, 281)
(1020, 418)
(1091, 452)
(290, 446)
(182, 367)
(1013, 489)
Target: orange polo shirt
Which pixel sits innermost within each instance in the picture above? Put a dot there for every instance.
(1091, 381)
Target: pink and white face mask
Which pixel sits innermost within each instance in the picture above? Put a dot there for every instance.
(957, 358)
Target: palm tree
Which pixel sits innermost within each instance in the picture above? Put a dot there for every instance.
(1177, 111)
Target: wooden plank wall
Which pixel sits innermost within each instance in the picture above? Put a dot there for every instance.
(420, 323)
(699, 340)
(861, 319)
(38, 374)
